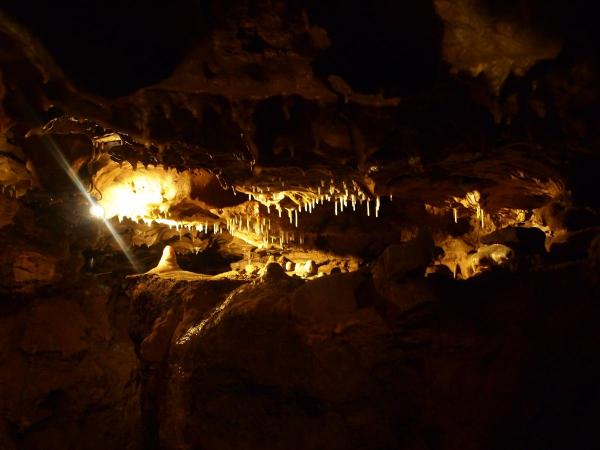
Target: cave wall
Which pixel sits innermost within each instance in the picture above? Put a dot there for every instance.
(461, 316)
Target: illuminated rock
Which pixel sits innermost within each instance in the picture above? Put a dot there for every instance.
(168, 261)
(310, 268)
(487, 257)
(251, 269)
(273, 272)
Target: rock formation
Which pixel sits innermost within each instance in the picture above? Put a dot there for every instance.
(299, 225)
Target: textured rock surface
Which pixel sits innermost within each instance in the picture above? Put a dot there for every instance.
(68, 372)
(381, 225)
(326, 364)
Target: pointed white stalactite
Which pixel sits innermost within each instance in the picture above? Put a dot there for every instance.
(482, 218)
(341, 204)
(377, 205)
(335, 207)
(290, 216)
(455, 213)
(296, 217)
(368, 208)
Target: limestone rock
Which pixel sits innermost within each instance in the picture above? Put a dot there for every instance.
(520, 239)
(488, 256)
(32, 266)
(273, 272)
(574, 245)
(398, 266)
(310, 268)
(168, 261)
(251, 269)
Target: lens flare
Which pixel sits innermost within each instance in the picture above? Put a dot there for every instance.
(58, 155)
(97, 211)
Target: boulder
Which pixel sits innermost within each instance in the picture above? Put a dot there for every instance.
(521, 239)
(310, 268)
(398, 273)
(405, 259)
(488, 256)
(574, 245)
(273, 272)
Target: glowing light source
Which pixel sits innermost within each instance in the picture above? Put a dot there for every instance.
(97, 211)
(60, 158)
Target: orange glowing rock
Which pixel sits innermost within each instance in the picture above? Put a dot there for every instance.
(168, 261)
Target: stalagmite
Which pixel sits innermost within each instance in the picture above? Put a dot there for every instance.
(168, 261)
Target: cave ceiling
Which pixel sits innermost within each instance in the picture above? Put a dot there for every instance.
(272, 119)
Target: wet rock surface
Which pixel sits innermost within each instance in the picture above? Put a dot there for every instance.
(324, 363)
